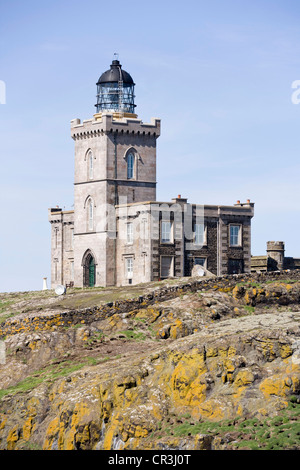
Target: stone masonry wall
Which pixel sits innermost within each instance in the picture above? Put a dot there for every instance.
(90, 315)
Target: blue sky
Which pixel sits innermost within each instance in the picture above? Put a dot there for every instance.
(219, 74)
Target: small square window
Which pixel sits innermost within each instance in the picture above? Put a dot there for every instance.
(200, 262)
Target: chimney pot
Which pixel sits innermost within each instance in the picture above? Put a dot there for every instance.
(238, 202)
(179, 196)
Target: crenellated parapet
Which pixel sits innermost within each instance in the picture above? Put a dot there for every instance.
(106, 123)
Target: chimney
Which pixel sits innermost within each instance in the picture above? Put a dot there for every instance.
(179, 200)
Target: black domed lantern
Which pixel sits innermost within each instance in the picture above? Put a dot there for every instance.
(115, 91)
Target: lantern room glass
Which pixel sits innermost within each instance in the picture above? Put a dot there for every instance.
(115, 97)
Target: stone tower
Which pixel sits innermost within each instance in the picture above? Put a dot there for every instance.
(115, 163)
(275, 253)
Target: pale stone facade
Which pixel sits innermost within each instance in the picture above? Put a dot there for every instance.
(118, 233)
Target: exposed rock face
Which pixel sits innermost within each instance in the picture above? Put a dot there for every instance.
(189, 372)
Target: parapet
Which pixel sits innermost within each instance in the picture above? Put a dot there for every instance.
(106, 124)
(275, 246)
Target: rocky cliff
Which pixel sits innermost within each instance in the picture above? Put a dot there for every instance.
(184, 364)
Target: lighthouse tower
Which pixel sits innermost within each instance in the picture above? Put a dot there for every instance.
(115, 163)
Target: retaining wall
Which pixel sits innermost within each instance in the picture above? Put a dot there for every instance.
(33, 323)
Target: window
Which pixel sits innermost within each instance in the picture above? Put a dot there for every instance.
(235, 266)
(200, 262)
(235, 235)
(129, 268)
(166, 266)
(55, 269)
(199, 234)
(91, 164)
(130, 232)
(144, 229)
(166, 232)
(72, 238)
(56, 236)
(91, 214)
(130, 165)
(72, 270)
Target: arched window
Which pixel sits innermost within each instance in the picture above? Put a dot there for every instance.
(90, 208)
(130, 165)
(91, 165)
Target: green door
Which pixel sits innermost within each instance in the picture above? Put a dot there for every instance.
(91, 272)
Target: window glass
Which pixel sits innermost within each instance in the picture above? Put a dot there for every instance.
(91, 215)
(166, 232)
(235, 235)
(129, 268)
(166, 267)
(130, 165)
(200, 261)
(199, 234)
(130, 232)
(91, 163)
(72, 238)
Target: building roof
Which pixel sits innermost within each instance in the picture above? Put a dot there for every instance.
(115, 74)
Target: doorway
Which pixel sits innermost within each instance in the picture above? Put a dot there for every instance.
(89, 270)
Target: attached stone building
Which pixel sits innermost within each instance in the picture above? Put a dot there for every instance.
(118, 233)
(275, 259)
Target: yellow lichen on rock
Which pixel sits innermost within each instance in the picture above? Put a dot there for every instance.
(275, 385)
(244, 377)
(13, 437)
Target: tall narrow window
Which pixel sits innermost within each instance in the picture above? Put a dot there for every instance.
(130, 232)
(166, 266)
(72, 270)
(166, 232)
(130, 165)
(91, 165)
(91, 214)
(129, 268)
(199, 234)
(235, 235)
(55, 268)
(56, 236)
(72, 238)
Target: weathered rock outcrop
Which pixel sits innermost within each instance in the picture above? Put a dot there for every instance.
(210, 368)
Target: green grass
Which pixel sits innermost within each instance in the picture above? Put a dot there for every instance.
(50, 374)
(282, 281)
(273, 433)
(249, 309)
(4, 314)
(133, 335)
